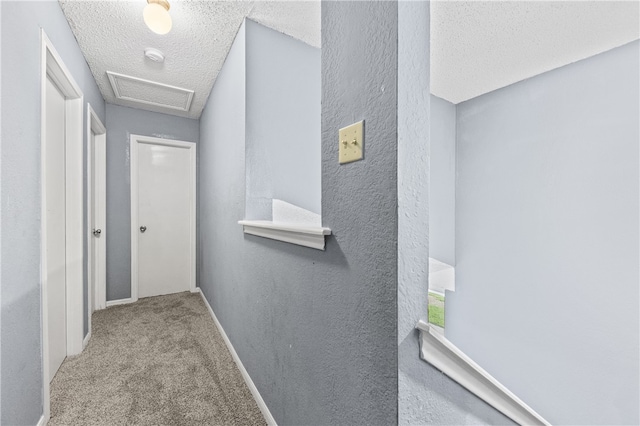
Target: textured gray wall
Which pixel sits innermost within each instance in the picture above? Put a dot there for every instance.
(442, 186)
(282, 123)
(425, 395)
(21, 370)
(315, 330)
(221, 177)
(413, 164)
(121, 123)
(547, 254)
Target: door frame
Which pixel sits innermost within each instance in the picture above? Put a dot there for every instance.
(136, 140)
(96, 291)
(53, 67)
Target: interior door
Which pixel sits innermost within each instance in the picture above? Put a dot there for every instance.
(56, 229)
(98, 216)
(164, 219)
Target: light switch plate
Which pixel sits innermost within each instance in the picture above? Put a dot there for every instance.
(351, 141)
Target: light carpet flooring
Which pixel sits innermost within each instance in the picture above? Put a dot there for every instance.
(159, 361)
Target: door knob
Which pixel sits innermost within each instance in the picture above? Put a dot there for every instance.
(143, 228)
(97, 232)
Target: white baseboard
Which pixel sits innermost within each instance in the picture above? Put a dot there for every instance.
(119, 302)
(85, 342)
(42, 421)
(252, 387)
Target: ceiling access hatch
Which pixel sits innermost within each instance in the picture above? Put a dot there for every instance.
(139, 90)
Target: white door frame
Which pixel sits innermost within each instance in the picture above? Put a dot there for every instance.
(97, 295)
(53, 67)
(136, 140)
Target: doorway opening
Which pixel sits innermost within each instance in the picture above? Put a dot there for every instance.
(96, 215)
(62, 253)
(163, 216)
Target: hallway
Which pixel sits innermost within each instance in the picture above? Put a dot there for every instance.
(159, 361)
(500, 138)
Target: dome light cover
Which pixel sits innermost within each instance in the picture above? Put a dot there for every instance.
(156, 16)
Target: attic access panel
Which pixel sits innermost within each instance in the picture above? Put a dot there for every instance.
(133, 89)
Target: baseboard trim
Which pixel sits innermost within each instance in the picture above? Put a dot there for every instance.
(111, 303)
(42, 421)
(252, 387)
(85, 342)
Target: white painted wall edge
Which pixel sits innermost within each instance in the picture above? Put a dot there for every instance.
(283, 212)
(252, 387)
(446, 357)
(85, 342)
(442, 276)
(307, 236)
(119, 302)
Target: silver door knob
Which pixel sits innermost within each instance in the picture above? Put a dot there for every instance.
(143, 228)
(97, 232)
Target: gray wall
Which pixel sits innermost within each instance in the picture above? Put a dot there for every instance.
(316, 330)
(21, 371)
(442, 191)
(121, 123)
(282, 121)
(425, 395)
(547, 239)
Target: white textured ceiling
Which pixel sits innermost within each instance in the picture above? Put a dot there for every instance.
(478, 47)
(113, 36)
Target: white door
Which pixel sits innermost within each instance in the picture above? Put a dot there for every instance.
(165, 203)
(56, 230)
(97, 275)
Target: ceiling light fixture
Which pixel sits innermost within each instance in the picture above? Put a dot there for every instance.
(156, 16)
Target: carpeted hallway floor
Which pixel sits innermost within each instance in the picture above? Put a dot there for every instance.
(160, 361)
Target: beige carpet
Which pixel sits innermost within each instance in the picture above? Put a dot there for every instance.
(160, 361)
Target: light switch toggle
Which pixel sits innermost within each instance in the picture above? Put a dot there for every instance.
(351, 145)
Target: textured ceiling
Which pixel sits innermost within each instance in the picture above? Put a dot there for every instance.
(477, 47)
(113, 36)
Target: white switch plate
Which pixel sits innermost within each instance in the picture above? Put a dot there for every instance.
(351, 142)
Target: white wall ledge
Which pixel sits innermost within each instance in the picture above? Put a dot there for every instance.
(307, 236)
(446, 357)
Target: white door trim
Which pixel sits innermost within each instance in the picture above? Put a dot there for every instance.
(135, 141)
(95, 126)
(53, 67)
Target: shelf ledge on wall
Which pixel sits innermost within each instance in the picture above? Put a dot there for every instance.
(308, 236)
(446, 357)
